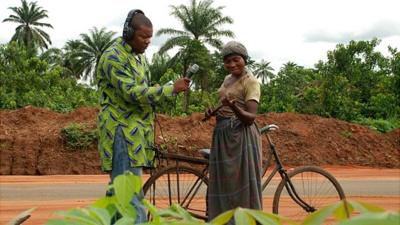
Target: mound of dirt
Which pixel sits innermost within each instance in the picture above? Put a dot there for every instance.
(31, 142)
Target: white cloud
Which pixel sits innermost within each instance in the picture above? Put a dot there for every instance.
(277, 31)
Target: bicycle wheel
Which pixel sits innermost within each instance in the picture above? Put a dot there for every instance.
(182, 185)
(315, 186)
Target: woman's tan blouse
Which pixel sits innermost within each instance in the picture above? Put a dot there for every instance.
(244, 89)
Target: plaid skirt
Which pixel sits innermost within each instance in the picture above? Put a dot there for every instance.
(235, 167)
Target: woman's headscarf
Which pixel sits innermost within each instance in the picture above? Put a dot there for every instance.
(234, 48)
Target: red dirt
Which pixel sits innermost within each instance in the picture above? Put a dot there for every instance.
(31, 142)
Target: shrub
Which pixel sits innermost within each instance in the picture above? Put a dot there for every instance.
(78, 136)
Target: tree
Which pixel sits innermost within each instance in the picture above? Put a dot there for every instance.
(200, 22)
(73, 66)
(92, 47)
(158, 67)
(358, 82)
(201, 26)
(28, 33)
(263, 71)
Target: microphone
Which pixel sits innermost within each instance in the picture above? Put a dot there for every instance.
(192, 70)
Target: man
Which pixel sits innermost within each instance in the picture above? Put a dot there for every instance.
(126, 118)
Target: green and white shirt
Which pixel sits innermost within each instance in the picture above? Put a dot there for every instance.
(126, 100)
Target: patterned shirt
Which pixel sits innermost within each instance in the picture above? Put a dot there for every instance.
(126, 100)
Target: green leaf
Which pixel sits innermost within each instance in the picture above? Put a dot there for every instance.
(103, 202)
(125, 221)
(370, 218)
(106, 203)
(101, 214)
(153, 211)
(343, 211)
(61, 222)
(169, 213)
(78, 215)
(184, 214)
(126, 210)
(319, 216)
(365, 207)
(266, 218)
(125, 186)
(241, 217)
(223, 218)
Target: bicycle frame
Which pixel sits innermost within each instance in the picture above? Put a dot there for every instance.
(282, 172)
(178, 159)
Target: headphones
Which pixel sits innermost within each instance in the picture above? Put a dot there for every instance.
(128, 31)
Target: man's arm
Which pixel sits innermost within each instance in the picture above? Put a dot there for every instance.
(130, 89)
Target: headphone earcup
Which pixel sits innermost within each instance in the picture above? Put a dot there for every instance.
(129, 33)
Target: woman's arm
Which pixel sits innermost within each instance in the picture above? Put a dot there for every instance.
(246, 116)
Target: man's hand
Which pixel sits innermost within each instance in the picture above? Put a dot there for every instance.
(181, 84)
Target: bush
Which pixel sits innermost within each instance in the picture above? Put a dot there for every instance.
(25, 79)
(380, 125)
(79, 136)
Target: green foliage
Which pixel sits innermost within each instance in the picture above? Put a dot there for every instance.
(79, 136)
(380, 125)
(355, 82)
(28, 80)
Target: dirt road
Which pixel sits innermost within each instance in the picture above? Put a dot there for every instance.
(61, 192)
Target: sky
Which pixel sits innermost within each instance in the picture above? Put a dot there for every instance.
(276, 31)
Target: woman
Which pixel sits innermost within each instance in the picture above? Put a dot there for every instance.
(235, 159)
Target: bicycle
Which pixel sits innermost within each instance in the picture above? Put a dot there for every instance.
(303, 190)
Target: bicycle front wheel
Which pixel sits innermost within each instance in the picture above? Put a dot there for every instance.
(315, 186)
(182, 185)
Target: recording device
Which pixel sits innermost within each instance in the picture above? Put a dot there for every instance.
(192, 70)
(128, 31)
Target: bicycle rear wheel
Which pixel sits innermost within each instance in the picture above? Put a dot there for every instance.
(315, 186)
(182, 185)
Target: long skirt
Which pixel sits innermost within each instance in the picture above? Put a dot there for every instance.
(235, 167)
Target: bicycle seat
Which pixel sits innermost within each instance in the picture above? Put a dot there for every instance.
(268, 128)
(205, 152)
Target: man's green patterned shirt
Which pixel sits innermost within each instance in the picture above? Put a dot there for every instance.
(126, 100)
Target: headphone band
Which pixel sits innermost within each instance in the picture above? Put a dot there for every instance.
(128, 30)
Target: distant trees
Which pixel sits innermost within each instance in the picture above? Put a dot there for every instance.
(355, 82)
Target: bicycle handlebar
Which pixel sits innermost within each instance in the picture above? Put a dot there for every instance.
(268, 128)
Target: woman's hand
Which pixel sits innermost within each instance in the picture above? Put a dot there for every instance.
(209, 113)
(226, 102)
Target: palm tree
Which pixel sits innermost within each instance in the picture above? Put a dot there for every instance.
(263, 71)
(158, 67)
(28, 32)
(92, 47)
(73, 66)
(201, 24)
